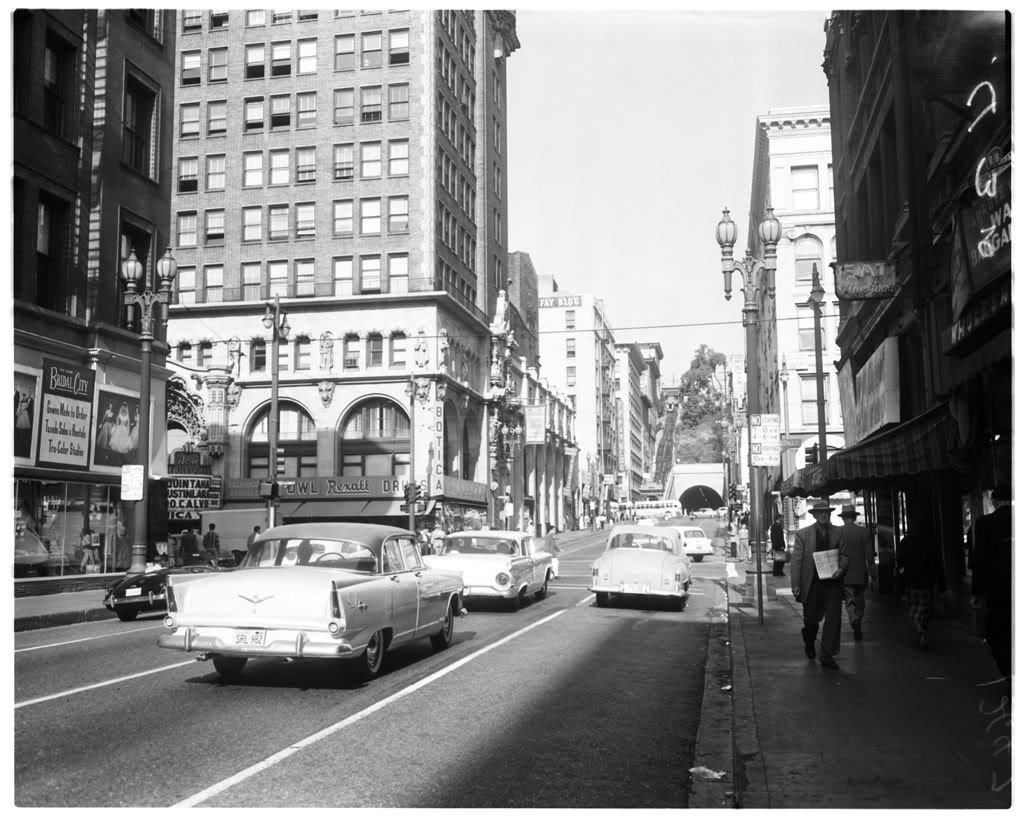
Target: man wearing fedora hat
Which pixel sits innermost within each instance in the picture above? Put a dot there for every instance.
(821, 598)
(855, 581)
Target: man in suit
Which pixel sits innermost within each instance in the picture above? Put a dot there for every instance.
(855, 582)
(992, 576)
(821, 598)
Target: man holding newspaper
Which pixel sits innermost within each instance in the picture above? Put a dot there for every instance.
(816, 570)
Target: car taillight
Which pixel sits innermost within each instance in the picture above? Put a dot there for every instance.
(335, 603)
(593, 572)
(503, 579)
(172, 604)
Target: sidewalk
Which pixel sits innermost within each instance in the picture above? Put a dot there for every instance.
(34, 612)
(895, 727)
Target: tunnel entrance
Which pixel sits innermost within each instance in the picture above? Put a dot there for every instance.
(699, 496)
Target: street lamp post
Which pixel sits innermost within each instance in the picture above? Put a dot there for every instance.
(817, 298)
(276, 321)
(150, 305)
(750, 269)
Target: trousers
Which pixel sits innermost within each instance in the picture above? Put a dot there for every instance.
(823, 601)
(853, 597)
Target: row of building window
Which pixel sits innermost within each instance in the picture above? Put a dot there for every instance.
(192, 19)
(459, 84)
(282, 171)
(297, 355)
(455, 236)
(296, 221)
(460, 38)
(459, 188)
(281, 278)
(275, 113)
(805, 188)
(453, 127)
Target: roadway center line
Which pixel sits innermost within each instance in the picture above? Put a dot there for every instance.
(290, 750)
(101, 684)
(88, 638)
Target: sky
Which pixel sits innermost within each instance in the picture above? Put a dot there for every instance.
(628, 132)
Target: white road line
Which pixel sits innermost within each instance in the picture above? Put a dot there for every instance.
(582, 547)
(89, 638)
(587, 599)
(289, 751)
(101, 684)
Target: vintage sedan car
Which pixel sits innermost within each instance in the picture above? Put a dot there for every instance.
(642, 561)
(696, 543)
(497, 564)
(145, 592)
(335, 590)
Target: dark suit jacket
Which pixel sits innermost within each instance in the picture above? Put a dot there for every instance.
(858, 545)
(991, 573)
(801, 565)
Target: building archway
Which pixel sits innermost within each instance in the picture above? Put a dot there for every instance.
(373, 439)
(698, 496)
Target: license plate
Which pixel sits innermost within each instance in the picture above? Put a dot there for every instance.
(249, 638)
(133, 591)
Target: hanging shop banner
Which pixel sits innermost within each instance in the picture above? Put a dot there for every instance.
(536, 417)
(66, 415)
(116, 438)
(865, 280)
(27, 382)
(765, 449)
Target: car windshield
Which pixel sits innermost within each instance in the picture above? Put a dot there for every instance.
(336, 553)
(695, 534)
(646, 541)
(491, 545)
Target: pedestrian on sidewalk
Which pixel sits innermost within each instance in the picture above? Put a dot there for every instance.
(252, 537)
(778, 537)
(992, 576)
(921, 572)
(744, 546)
(211, 545)
(821, 598)
(189, 546)
(855, 581)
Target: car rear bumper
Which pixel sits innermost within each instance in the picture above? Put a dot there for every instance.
(151, 601)
(635, 590)
(484, 592)
(279, 644)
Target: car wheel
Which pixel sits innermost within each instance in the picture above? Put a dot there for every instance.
(602, 599)
(540, 594)
(443, 639)
(229, 666)
(367, 666)
(677, 603)
(699, 558)
(127, 613)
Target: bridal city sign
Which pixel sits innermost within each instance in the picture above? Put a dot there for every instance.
(322, 487)
(865, 280)
(66, 415)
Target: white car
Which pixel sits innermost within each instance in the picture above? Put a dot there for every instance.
(642, 561)
(497, 564)
(696, 543)
(647, 522)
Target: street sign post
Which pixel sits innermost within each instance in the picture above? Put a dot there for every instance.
(765, 450)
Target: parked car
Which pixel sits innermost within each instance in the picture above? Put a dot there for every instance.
(498, 564)
(145, 592)
(696, 543)
(336, 590)
(642, 561)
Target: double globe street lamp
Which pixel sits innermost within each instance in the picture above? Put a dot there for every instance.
(755, 273)
(151, 312)
(276, 321)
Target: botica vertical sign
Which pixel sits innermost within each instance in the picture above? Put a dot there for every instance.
(66, 415)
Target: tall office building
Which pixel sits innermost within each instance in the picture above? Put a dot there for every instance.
(92, 130)
(631, 409)
(352, 166)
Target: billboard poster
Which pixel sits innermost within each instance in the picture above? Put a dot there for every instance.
(65, 415)
(116, 434)
(536, 424)
(26, 414)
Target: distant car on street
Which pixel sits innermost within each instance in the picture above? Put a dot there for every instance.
(329, 590)
(145, 592)
(642, 561)
(696, 543)
(498, 564)
(647, 522)
(705, 512)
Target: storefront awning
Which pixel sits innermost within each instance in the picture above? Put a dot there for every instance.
(370, 508)
(925, 443)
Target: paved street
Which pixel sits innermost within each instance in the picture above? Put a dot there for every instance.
(542, 708)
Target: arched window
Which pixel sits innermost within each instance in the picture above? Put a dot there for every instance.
(808, 254)
(374, 440)
(296, 442)
(470, 446)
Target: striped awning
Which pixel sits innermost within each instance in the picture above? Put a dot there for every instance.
(926, 443)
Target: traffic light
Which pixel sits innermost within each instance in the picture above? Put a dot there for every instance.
(270, 490)
(812, 454)
(413, 495)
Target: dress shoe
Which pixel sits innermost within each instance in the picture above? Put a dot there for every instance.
(857, 634)
(809, 650)
(830, 664)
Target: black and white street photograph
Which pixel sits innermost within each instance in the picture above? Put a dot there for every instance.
(527, 409)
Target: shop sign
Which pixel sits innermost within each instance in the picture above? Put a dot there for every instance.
(865, 280)
(980, 312)
(536, 420)
(131, 483)
(322, 487)
(871, 399)
(561, 302)
(188, 495)
(66, 418)
(609, 479)
(26, 414)
(188, 462)
(452, 487)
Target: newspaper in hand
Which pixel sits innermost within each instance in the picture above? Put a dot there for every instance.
(826, 562)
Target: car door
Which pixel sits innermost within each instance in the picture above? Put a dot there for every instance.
(430, 589)
(525, 548)
(405, 593)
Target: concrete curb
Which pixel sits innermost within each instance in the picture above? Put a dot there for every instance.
(61, 619)
(713, 747)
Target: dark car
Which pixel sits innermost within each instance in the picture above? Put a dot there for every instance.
(146, 592)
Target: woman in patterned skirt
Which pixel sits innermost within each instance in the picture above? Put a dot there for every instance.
(918, 555)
